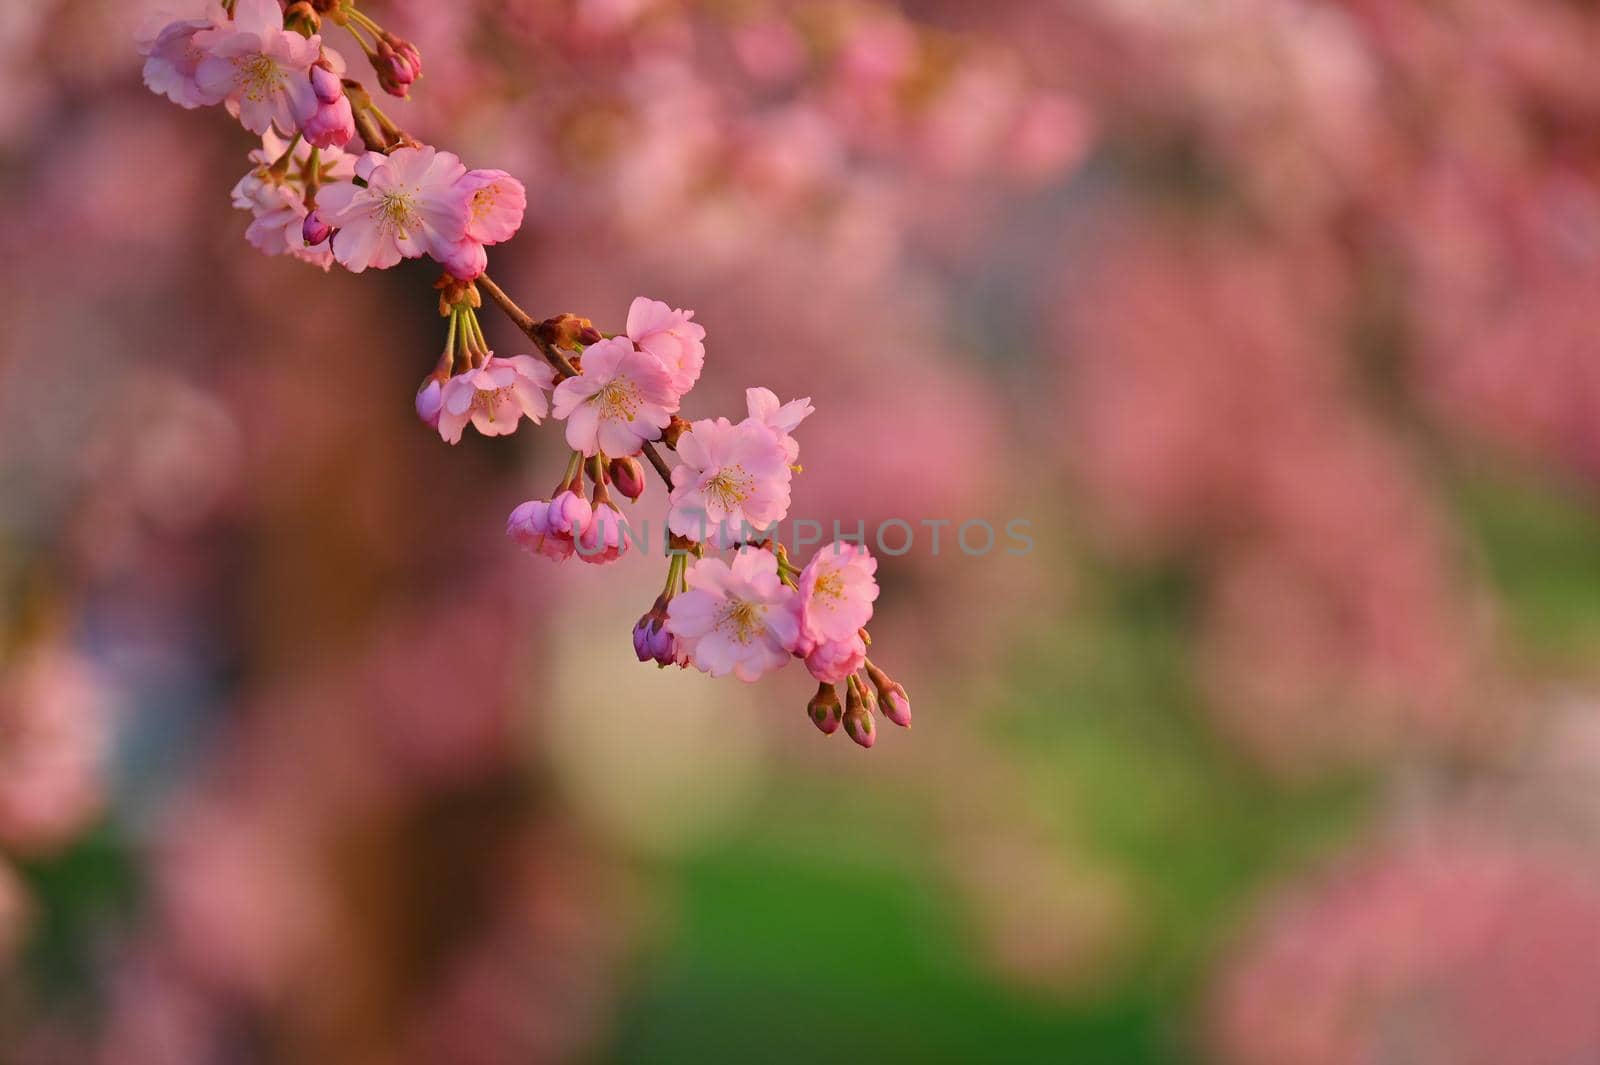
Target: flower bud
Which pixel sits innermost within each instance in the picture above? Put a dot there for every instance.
(529, 521)
(651, 640)
(825, 710)
(857, 718)
(430, 401)
(314, 230)
(628, 476)
(325, 83)
(606, 537)
(892, 697)
(568, 331)
(407, 53)
(674, 430)
(397, 64)
(570, 514)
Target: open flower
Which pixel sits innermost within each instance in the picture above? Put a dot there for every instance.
(781, 418)
(259, 68)
(669, 335)
(172, 56)
(735, 619)
(837, 589)
(493, 203)
(733, 480)
(496, 397)
(409, 208)
(622, 399)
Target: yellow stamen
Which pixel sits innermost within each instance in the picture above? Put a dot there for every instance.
(618, 399)
(747, 619)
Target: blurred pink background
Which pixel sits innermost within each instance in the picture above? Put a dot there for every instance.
(1275, 318)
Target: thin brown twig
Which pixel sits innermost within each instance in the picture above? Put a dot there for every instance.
(524, 321)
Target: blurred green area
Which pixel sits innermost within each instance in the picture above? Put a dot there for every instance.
(827, 934)
(828, 930)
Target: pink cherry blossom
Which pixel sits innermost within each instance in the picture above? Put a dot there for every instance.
(781, 418)
(832, 661)
(671, 337)
(277, 199)
(172, 56)
(496, 396)
(259, 68)
(735, 619)
(493, 203)
(605, 539)
(549, 527)
(466, 260)
(733, 480)
(622, 399)
(837, 589)
(408, 208)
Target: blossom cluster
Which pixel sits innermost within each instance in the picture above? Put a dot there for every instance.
(336, 181)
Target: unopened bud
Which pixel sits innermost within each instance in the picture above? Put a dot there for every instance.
(407, 53)
(397, 64)
(858, 723)
(892, 697)
(430, 400)
(568, 331)
(651, 640)
(325, 83)
(628, 476)
(825, 710)
(314, 230)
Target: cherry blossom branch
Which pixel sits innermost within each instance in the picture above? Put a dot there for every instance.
(618, 394)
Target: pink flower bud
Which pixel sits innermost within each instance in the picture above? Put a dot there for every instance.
(606, 537)
(651, 640)
(529, 520)
(570, 514)
(825, 710)
(430, 398)
(831, 661)
(314, 231)
(858, 722)
(331, 125)
(896, 705)
(892, 698)
(397, 64)
(408, 52)
(628, 476)
(325, 83)
(551, 528)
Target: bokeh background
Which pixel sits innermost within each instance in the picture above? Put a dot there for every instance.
(1277, 318)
